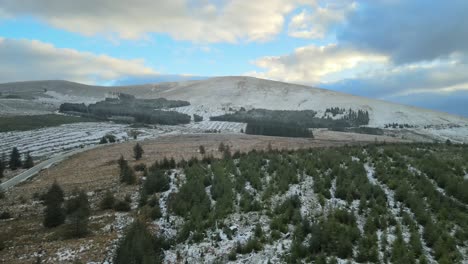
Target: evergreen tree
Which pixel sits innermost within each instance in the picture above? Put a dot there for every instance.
(156, 181)
(400, 252)
(107, 201)
(138, 246)
(54, 212)
(78, 211)
(221, 147)
(202, 150)
(155, 212)
(127, 175)
(15, 159)
(197, 118)
(138, 151)
(29, 162)
(103, 140)
(2, 168)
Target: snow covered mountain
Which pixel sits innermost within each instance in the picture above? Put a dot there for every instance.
(218, 95)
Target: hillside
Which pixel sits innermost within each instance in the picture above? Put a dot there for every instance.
(279, 200)
(216, 96)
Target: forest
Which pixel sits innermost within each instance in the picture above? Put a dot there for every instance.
(277, 129)
(378, 203)
(127, 108)
(301, 118)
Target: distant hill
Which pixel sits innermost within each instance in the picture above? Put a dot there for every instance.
(215, 96)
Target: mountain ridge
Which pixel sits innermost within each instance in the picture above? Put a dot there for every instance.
(216, 93)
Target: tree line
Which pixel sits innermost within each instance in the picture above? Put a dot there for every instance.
(301, 118)
(15, 161)
(138, 110)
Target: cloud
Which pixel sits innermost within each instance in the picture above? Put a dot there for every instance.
(454, 103)
(408, 31)
(360, 72)
(439, 77)
(317, 23)
(34, 60)
(318, 64)
(194, 20)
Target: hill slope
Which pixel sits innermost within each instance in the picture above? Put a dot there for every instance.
(216, 96)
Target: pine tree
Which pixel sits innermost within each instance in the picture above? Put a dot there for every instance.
(202, 150)
(138, 151)
(121, 162)
(15, 159)
(108, 201)
(54, 214)
(138, 246)
(221, 147)
(2, 168)
(127, 175)
(29, 162)
(156, 181)
(78, 215)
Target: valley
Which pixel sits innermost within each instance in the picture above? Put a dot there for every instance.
(232, 170)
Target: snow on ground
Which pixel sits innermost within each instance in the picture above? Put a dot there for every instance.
(210, 249)
(393, 207)
(55, 98)
(217, 126)
(220, 93)
(442, 133)
(52, 140)
(436, 186)
(121, 221)
(167, 225)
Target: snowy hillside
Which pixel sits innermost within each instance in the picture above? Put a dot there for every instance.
(224, 92)
(216, 96)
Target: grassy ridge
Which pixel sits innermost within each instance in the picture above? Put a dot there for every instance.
(23, 123)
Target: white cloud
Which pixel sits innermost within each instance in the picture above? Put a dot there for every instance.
(365, 73)
(194, 20)
(34, 60)
(318, 64)
(317, 23)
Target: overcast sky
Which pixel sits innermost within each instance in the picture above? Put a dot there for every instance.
(408, 51)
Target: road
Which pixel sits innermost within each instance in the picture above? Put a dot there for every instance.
(43, 165)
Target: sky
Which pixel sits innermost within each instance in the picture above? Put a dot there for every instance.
(413, 52)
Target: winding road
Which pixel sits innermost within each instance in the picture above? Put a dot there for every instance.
(43, 165)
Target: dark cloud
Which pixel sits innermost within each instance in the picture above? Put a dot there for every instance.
(441, 86)
(453, 103)
(450, 102)
(409, 31)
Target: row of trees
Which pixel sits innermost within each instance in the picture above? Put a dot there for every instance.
(411, 188)
(140, 110)
(238, 183)
(302, 118)
(14, 162)
(277, 129)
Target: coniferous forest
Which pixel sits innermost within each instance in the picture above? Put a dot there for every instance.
(127, 108)
(377, 204)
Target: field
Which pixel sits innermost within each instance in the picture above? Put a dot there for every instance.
(48, 141)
